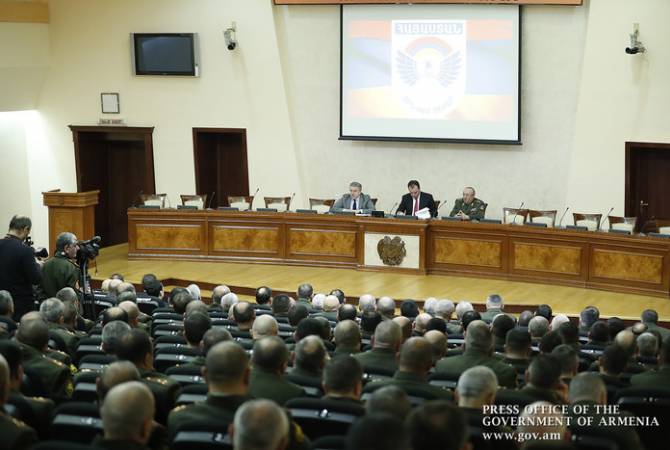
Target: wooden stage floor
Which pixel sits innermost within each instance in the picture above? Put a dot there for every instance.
(568, 300)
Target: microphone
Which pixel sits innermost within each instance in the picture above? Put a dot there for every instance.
(251, 203)
(516, 213)
(288, 207)
(603, 219)
(209, 204)
(560, 222)
(391, 210)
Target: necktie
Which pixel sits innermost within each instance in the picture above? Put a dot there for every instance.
(416, 207)
(354, 207)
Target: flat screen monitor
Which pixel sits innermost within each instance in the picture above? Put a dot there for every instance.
(165, 54)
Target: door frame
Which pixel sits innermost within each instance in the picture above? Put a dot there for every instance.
(632, 149)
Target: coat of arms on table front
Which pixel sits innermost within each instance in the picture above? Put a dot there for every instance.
(391, 251)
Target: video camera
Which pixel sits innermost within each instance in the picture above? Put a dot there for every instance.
(88, 250)
(39, 252)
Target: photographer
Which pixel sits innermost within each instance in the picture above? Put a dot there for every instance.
(60, 271)
(19, 269)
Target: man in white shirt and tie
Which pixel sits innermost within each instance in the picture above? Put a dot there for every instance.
(354, 201)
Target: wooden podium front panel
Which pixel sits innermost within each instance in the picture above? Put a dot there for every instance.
(166, 237)
(322, 241)
(240, 239)
(468, 251)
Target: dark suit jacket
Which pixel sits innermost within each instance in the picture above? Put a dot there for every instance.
(18, 273)
(425, 201)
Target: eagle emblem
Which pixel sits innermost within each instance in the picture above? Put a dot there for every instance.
(391, 251)
(445, 70)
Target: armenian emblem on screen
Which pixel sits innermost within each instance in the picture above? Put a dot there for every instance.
(391, 251)
(429, 65)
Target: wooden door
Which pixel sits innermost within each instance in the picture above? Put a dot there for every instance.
(220, 157)
(648, 181)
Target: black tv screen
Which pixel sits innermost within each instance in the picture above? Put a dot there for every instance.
(165, 54)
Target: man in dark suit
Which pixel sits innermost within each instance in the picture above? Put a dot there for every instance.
(416, 200)
(19, 270)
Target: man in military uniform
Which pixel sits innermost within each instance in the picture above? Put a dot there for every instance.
(385, 346)
(15, 434)
(59, 271)
(135, 346)
(416, 359)
(53, 311)
(469, 207)
(227, 374)
(269, 358)
(33, 337)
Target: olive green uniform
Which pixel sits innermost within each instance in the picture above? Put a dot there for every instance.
(413, 385)
(271, 386)
(58, 272)
(56, 377)
(378, 358)
(475, 209)
(165, 392)
(71, 340)
(456, 365)
(16, 435)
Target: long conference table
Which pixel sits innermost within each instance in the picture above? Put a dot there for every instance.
(598, 260)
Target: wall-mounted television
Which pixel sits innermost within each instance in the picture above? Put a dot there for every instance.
(165, 54)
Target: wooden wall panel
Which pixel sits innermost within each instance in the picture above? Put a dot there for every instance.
(250, 239)
(561, 259)
(321, 242)
(620, 265)
(469, 252)
(168, 237)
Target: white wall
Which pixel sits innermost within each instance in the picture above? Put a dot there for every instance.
(14, 187)
(582, 98)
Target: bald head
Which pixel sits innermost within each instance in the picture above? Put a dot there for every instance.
(348, 335)
(421, 322)
(476, 387)
(416, 356)
(133, 312)
(387, 335)
(244, 314)
(264, 326)
(218, 292)
(270, 354)
(438, 342)
(478, 337)
(405, 326)
(33, 331)
(386, 307)
(124, 286)
(626, 340)
(260, 424)
(196, 306)
(127, 412)
(114, 283)
(331, 303)
(226, 366)
(310, 354)
(588, 386)
(114, 374)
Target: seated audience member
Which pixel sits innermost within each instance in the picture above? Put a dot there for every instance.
(405, 325)
(569, 334)
(307, 327)
(429, 306)
(326, 332)
(15, 434)
(461, 308)
(195, 326)
(343, 381)
(346, 312)
(194, 290)
(438, 343)
(133, 313)
(179, 298)
(524, 318)
(33, 337)
(331, 305)
(244, 316)
(263, 298)
(367, 302)
(114, 283)
(438, 422)
(389, 400)
(196, 306)
(72, 320)
(111, 335)
(227, 375)
(296, 313)
(52, 310)
(568, 359)
(598, 336)
(114, 374)
(264, 325)
(227, 302)
(310, 359)
(420, 324)
(281, 305)
(211, 337)
(587, 317)
(153, 287)
(543, 380)
(468, 317)
(377, 432)
(656, 378)
(409, 309)
(414, 363)
(347, 338)
(500, 325)
(540, 424)
(627, 340)
(647, 350)
(549, 342)
(369, 322)
(386, 307)
(444, 310)
(127, 296)
(217, 294)
(269, 359)
(385, 345)
(587, 392)
(517, 349)
(538, 327)
(437, 323)
(615, 325)
(611, 364)
(494, 306)
(305, 293)
(557, 321)
(6, 312)
(478, 352)
(340, 295)
(127, 417)
(544, 311)
(649, 317)
(317, 302)
(114, 313)
(260, 424)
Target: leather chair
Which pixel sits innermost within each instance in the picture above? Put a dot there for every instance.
(622, 223)
(547, 217)
(324, 204)
(590, 221)
(78, 422)
(322, 417)
(197, 200)
(276, 202)
(516, 215)
(243, 202)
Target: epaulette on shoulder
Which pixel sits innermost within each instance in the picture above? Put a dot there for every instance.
(19, 423)
(157, 380)
(179, 408)
(55, 362)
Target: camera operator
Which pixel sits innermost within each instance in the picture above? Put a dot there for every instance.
(19, 269)
(60, 271)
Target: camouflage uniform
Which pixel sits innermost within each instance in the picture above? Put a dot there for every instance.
(475, 210)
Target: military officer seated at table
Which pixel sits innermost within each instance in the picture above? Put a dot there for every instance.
(355, 200)
(469, 207)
